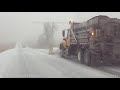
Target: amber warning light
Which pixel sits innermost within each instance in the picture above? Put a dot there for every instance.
(92, 33)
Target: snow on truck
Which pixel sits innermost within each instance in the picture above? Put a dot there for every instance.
(94, 41)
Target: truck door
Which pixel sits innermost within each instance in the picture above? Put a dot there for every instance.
(68, 38)
(65, 38)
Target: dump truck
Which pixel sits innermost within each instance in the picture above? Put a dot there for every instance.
(95, 41)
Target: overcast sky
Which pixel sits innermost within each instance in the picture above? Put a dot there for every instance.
(15, 26)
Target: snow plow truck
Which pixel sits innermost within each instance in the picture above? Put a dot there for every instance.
(95, 41)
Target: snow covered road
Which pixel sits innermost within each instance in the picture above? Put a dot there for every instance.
(30, 63)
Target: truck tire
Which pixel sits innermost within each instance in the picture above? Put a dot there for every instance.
(87, 58)
(61, 53)
(94, 61)
(80, 56)
(61, 50)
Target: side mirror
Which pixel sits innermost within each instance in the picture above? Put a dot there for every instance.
(63, 33)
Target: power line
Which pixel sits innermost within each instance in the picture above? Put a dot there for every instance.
(47, 21)
(42, 22)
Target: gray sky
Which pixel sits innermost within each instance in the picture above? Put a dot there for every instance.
(15, 26)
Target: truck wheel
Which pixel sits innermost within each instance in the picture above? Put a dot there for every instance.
(87, 58)
(94, 61)
(61, 53)
(80, 56)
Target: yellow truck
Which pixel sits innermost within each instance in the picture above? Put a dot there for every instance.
(95, 41)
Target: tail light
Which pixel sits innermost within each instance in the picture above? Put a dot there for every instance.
(92, 33)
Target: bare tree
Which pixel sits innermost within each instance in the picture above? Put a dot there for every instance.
(49, 29)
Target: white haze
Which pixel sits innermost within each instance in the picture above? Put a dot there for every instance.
(15, 26)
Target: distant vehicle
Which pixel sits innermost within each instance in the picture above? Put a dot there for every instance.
(94, 41)
(20, 45)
